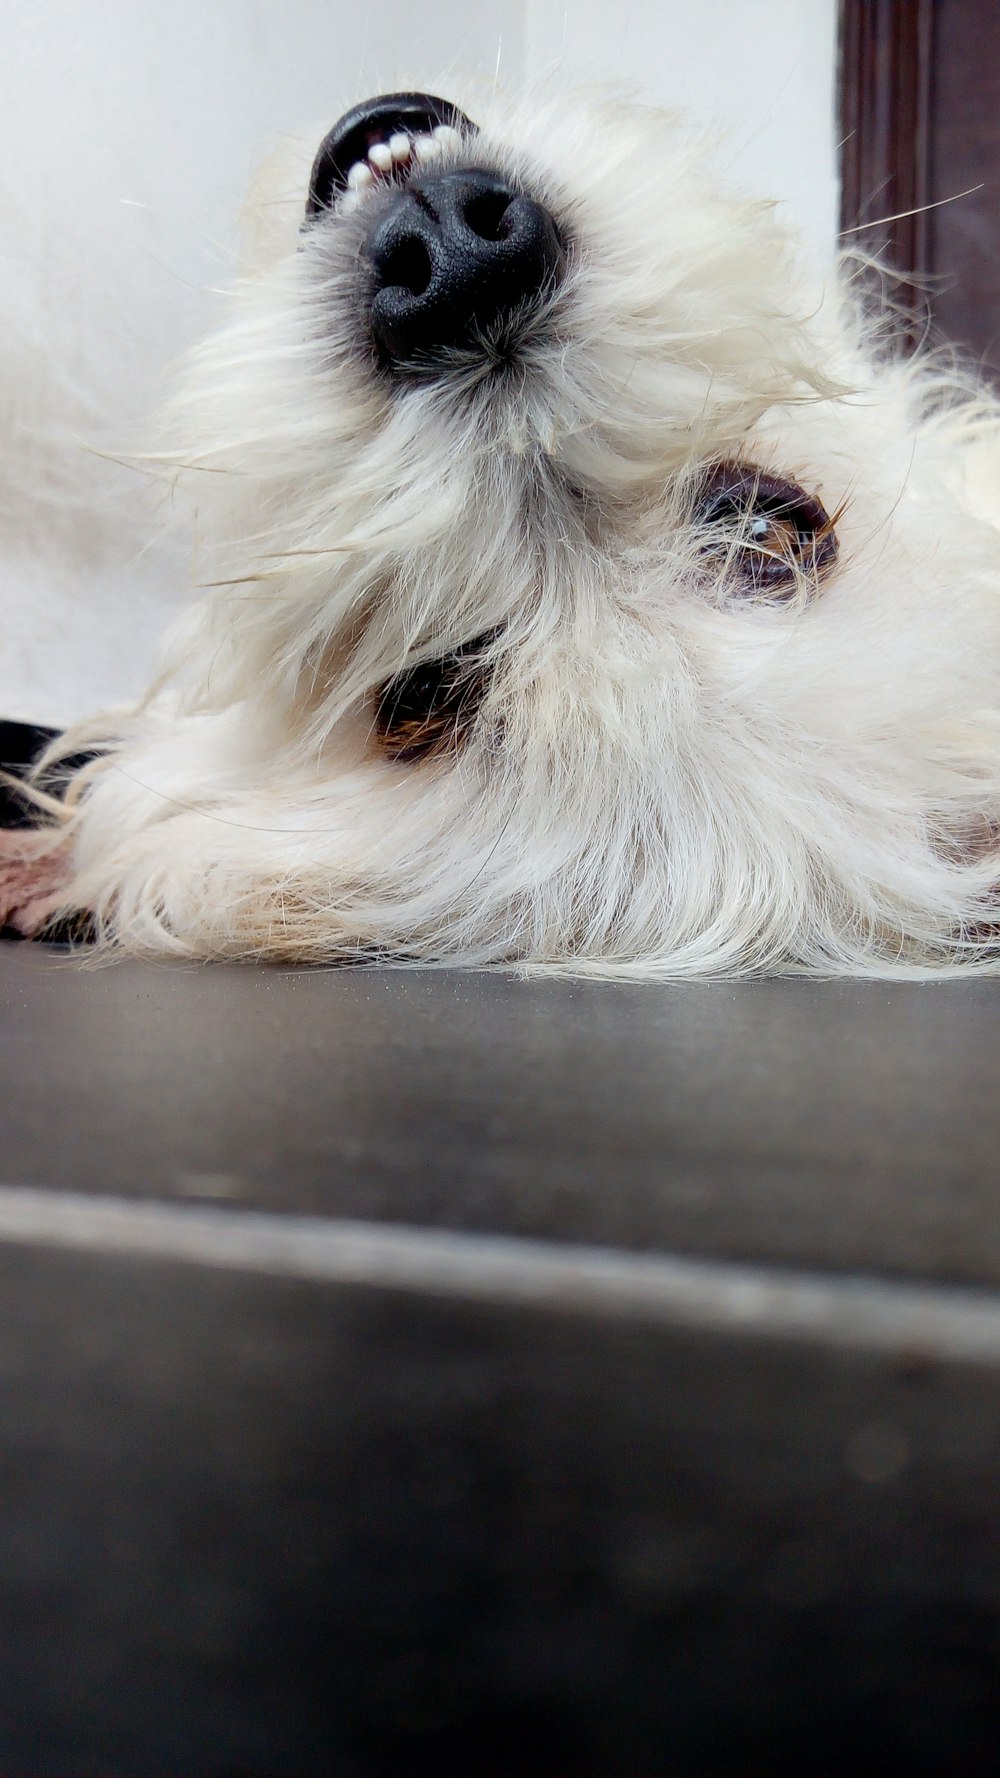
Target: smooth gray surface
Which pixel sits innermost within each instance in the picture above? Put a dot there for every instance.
(256, 1526)
(253, 1526)
(843, 1125)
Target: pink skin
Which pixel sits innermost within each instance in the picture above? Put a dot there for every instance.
(33, 874)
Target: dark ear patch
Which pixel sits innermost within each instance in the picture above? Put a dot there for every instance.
(430, 709)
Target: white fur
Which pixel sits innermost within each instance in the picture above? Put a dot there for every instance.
(665, 780)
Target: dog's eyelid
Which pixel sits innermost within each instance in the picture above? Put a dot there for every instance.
(767, 535)
(430, 708)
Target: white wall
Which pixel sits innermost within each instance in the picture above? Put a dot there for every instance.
(127, 133)
(763, 72)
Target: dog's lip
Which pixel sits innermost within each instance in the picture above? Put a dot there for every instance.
(374, 120)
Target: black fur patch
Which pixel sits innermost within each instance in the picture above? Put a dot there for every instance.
(20, 745)
(431, 708)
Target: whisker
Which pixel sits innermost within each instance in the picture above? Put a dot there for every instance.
(918, 210)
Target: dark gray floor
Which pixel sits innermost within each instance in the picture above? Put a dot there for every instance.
(344, 1523)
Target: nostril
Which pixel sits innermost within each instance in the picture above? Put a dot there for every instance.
(485, 212)
(454, 257)
(408, 265)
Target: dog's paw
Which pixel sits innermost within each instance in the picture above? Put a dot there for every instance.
(34, 874)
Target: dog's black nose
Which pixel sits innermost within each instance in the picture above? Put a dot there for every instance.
(455, 254)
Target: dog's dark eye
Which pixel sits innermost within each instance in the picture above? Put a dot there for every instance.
(433, 706)
(766, 535)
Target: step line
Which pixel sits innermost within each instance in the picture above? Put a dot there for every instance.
(912, 1320)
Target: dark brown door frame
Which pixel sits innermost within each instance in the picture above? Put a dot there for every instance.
(886, 60)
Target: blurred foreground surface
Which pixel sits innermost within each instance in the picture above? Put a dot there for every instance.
(423, 1374)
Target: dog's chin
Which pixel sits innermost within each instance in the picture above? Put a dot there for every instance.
(584, 594)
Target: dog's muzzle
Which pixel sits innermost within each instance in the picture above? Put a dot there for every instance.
(457, 253)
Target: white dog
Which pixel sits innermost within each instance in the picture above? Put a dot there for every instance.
(583, 592)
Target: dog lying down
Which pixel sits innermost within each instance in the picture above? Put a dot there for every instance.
(583, 592)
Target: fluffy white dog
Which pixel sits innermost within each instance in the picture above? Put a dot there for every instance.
(583, 592)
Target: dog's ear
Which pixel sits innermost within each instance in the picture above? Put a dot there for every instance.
(270, 218)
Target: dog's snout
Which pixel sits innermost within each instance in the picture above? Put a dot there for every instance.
(457, 253)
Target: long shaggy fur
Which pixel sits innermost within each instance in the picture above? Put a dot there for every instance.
(664, 777)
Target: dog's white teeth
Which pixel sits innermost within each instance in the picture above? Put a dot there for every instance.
(385, 158)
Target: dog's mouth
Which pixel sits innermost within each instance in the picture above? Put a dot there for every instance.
(455, 255)
(382, 140)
